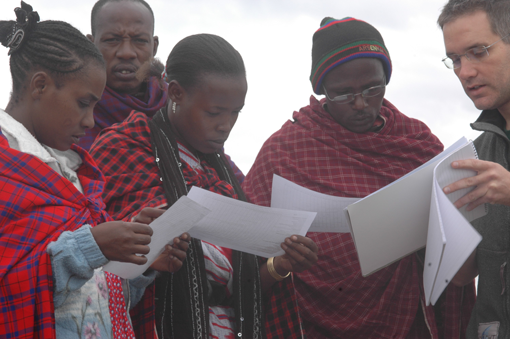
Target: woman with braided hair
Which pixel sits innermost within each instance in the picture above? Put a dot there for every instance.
(54, 232)
(219, 292)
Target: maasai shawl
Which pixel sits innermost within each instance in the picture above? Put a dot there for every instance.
(124, 153)
(335, 301)
(37, 205)
(115, 107)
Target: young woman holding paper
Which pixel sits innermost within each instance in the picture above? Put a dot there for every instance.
(151, 163)
(54, 232)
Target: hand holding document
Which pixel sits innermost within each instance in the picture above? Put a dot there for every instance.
(451, 238)
(330, 217)
(222, 221)
(179, 218)
(412, 212)
(246, 227)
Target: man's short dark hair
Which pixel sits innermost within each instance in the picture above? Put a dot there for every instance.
(498, 12)
(100, 4)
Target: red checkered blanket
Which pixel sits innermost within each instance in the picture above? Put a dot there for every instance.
(36, 206)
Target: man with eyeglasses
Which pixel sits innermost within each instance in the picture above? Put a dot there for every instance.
(477, 43)
(350, 144)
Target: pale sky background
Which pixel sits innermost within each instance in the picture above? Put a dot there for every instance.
(275, 39)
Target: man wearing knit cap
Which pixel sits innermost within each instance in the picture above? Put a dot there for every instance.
(477, 44)
(349, 144)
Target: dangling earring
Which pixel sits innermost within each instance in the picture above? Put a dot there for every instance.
(174, 105)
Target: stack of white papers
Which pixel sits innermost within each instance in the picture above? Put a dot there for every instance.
(451, 238)
(222, 221)
(412, 212)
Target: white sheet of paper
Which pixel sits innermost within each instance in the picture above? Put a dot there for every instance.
(460, 240)
(246, 227)
(451, 238)
(445, 175)
(179, 218)
(393, 222)
(436, 242)
(330, 209)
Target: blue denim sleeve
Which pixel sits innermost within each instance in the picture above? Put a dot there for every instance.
(74, 256)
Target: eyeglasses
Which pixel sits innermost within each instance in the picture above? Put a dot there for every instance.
(475, 54)
(347, 98)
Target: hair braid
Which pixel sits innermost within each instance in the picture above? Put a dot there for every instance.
(192, 58)
(200, 54)
(53, 46)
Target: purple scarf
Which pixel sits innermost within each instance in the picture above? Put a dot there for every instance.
(115, 107)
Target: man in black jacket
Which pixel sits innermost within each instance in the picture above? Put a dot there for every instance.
(477, 43)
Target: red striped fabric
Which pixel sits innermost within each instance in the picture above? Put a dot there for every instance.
(37, 205)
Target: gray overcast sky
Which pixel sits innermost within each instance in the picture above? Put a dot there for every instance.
(275, 38)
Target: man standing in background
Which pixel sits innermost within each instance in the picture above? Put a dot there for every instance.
(123, 31)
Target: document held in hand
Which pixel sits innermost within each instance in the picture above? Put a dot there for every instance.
(330, 209)
(246, 227)
(412, 212)
(179, 218)
(222, 221)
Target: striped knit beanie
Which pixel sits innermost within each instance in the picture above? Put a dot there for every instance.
(340, 41)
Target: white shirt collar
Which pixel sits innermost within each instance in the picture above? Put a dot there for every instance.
(19, 138)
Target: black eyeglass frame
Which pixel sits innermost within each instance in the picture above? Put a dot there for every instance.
(350, 97)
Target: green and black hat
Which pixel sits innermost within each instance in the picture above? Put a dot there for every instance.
(340, 41)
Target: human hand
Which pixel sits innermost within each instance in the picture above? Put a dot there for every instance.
(122, 241)
(492, 184)
(148, 215)
(172, 257)
(300, 255)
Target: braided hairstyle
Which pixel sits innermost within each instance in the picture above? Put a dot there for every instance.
(192, 58)
(200, 54)
(52, 46)
(100, 4)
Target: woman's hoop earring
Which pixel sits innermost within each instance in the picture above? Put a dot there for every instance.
(174, 105)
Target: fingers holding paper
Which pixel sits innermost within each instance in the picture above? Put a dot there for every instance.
(173, 255)
(148, 215)
(300, 254)
(123, 241)
(492, 184)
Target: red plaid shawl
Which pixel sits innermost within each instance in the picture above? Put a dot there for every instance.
(335, 300)
(132, 182)
(36, 206)
(132, 177)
